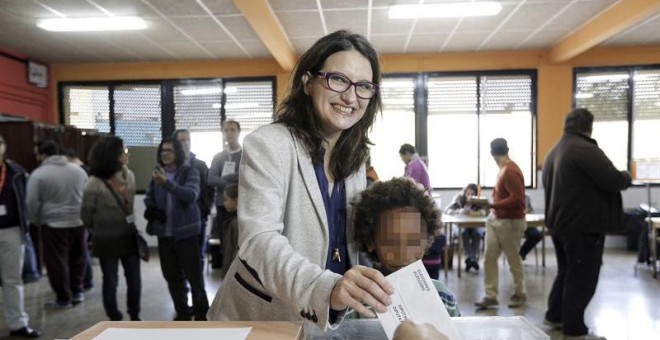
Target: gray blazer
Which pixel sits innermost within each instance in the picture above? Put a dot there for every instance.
(283, 235)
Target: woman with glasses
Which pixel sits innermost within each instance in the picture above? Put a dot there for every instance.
(298, 177)
(113, 234)
(172, 197)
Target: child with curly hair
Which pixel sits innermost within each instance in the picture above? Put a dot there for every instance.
(395, 223)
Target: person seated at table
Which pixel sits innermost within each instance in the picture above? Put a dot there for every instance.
(532, 234)
(471, 236)
(395, 222)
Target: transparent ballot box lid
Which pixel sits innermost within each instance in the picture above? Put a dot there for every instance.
(497, 328)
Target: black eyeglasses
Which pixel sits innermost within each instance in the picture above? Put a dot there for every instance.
(340, 83)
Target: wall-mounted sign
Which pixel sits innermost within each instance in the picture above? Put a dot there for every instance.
(37, 74)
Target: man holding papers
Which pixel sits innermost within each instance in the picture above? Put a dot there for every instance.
(504, 227)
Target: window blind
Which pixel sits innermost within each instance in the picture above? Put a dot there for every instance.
(398, 94)
(505, 94)
(605, 94)
(197, 106)
(646, 95)
(452, 95)
(138, 114)
(250, 103)
(87, 107)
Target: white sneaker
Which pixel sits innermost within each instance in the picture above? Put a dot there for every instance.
(584, 337)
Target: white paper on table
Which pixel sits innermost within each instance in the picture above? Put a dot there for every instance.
(174, 333)
(416, 298)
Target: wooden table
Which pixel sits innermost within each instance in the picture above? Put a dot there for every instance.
(260, 329)
(462, 221)
(655, 230)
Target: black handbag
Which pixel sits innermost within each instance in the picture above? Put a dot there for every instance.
(155, 228)
(143, 247)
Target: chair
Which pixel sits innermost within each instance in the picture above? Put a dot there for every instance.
(536, 256)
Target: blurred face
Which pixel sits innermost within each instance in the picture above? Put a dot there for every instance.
(167, 155)
(184, 139)
(230, 132)
(339, 111)
(406, 157)
(3, 148)
(401, 238)
(123, 159)
(469, 193)
(230, 203)
(37, 155)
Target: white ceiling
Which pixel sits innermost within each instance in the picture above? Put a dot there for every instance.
(216, 29)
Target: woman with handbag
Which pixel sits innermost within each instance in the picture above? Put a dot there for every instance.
(173, 190)
(107, 209)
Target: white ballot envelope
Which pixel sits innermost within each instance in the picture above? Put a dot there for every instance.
(416, 298)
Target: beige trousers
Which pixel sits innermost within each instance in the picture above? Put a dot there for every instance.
(503, 236)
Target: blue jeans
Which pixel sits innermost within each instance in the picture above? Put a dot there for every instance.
(471, 242)
(532, 238)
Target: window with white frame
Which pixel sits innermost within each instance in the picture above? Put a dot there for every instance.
(250, 103)
(197, 108)
(605, 94)
(625, 103)
(454, 117)
(394, 127)
(465, 113)
(453, 131)
(646, 115)
(506, 110)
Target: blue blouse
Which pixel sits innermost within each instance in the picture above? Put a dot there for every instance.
(335, 209)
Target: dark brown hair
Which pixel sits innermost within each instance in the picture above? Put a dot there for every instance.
(178, 151)
(383, 196)
(297, 110)
(104, 157)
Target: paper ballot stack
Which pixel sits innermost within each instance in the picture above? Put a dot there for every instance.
(415, 298)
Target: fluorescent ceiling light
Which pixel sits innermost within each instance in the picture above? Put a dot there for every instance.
(461, 9)
(92, 24)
